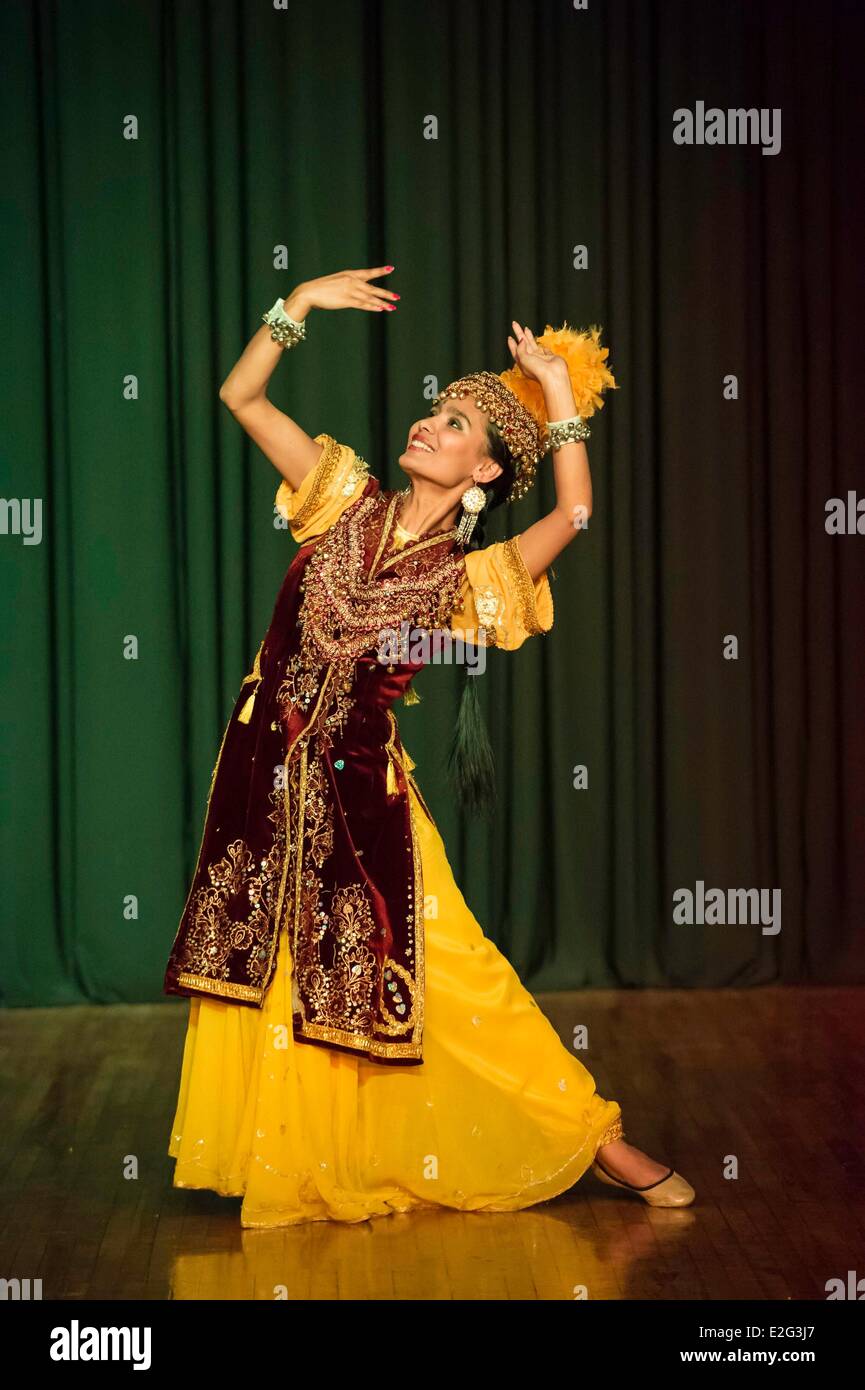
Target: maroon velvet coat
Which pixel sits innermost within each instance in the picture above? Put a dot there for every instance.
(305, 830)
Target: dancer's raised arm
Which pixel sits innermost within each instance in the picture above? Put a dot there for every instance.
(544, 540)
(281, 439)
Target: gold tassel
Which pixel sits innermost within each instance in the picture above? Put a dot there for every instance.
(254, 675)
(411, 696)
(406, 761)
(246, 713)
(392, 787)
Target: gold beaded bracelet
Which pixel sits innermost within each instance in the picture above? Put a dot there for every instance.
(563, 431)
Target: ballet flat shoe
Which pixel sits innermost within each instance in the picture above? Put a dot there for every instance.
(670, 1191)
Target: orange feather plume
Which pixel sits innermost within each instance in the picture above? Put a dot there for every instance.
(587, 369)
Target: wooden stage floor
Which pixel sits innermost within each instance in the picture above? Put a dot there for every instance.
(774, 1076)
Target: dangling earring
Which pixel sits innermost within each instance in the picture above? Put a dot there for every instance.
(473, 500)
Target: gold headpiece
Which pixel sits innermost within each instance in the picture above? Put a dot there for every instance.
(515, 402)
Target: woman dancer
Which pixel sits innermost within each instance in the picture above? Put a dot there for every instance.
(355, 1044)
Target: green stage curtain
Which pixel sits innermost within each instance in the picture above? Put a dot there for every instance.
(150, 260)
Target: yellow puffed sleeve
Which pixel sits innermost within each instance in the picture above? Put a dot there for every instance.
(501, 606)
(328, 489)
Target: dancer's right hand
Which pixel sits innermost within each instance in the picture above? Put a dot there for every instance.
(346, 289)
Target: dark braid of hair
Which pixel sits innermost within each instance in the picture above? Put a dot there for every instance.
(471, 766)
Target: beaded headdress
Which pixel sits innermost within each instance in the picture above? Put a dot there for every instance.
(515, 402)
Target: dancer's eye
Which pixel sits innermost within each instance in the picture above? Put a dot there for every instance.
(454, 419)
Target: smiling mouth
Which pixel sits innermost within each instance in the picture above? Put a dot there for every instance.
(418, 444)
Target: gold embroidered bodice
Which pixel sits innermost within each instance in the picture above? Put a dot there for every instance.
(499, 604)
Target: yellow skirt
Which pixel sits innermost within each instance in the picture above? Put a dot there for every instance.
(499, 1116)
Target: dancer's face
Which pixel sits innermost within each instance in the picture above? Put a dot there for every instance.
(455, 435)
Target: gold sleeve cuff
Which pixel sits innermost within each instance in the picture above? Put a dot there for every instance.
(535, 599)
(335, 481)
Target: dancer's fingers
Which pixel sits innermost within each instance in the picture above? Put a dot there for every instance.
(374, 272)
(382, 292)
(368, 297)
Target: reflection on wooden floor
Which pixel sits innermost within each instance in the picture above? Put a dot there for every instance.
(774, 1077)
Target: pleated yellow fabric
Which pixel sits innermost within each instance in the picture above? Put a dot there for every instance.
(499, 1116)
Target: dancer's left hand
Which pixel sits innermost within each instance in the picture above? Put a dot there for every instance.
(532, 359)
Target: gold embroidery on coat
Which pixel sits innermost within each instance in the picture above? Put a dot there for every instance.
(299, 686)
(341, 993)
(319, 814)
(338, 994)
(214, 934)
(418, 936)
(346, 1000)
(391, 997)
(346, 612)
(222, 988)
(203, 834)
